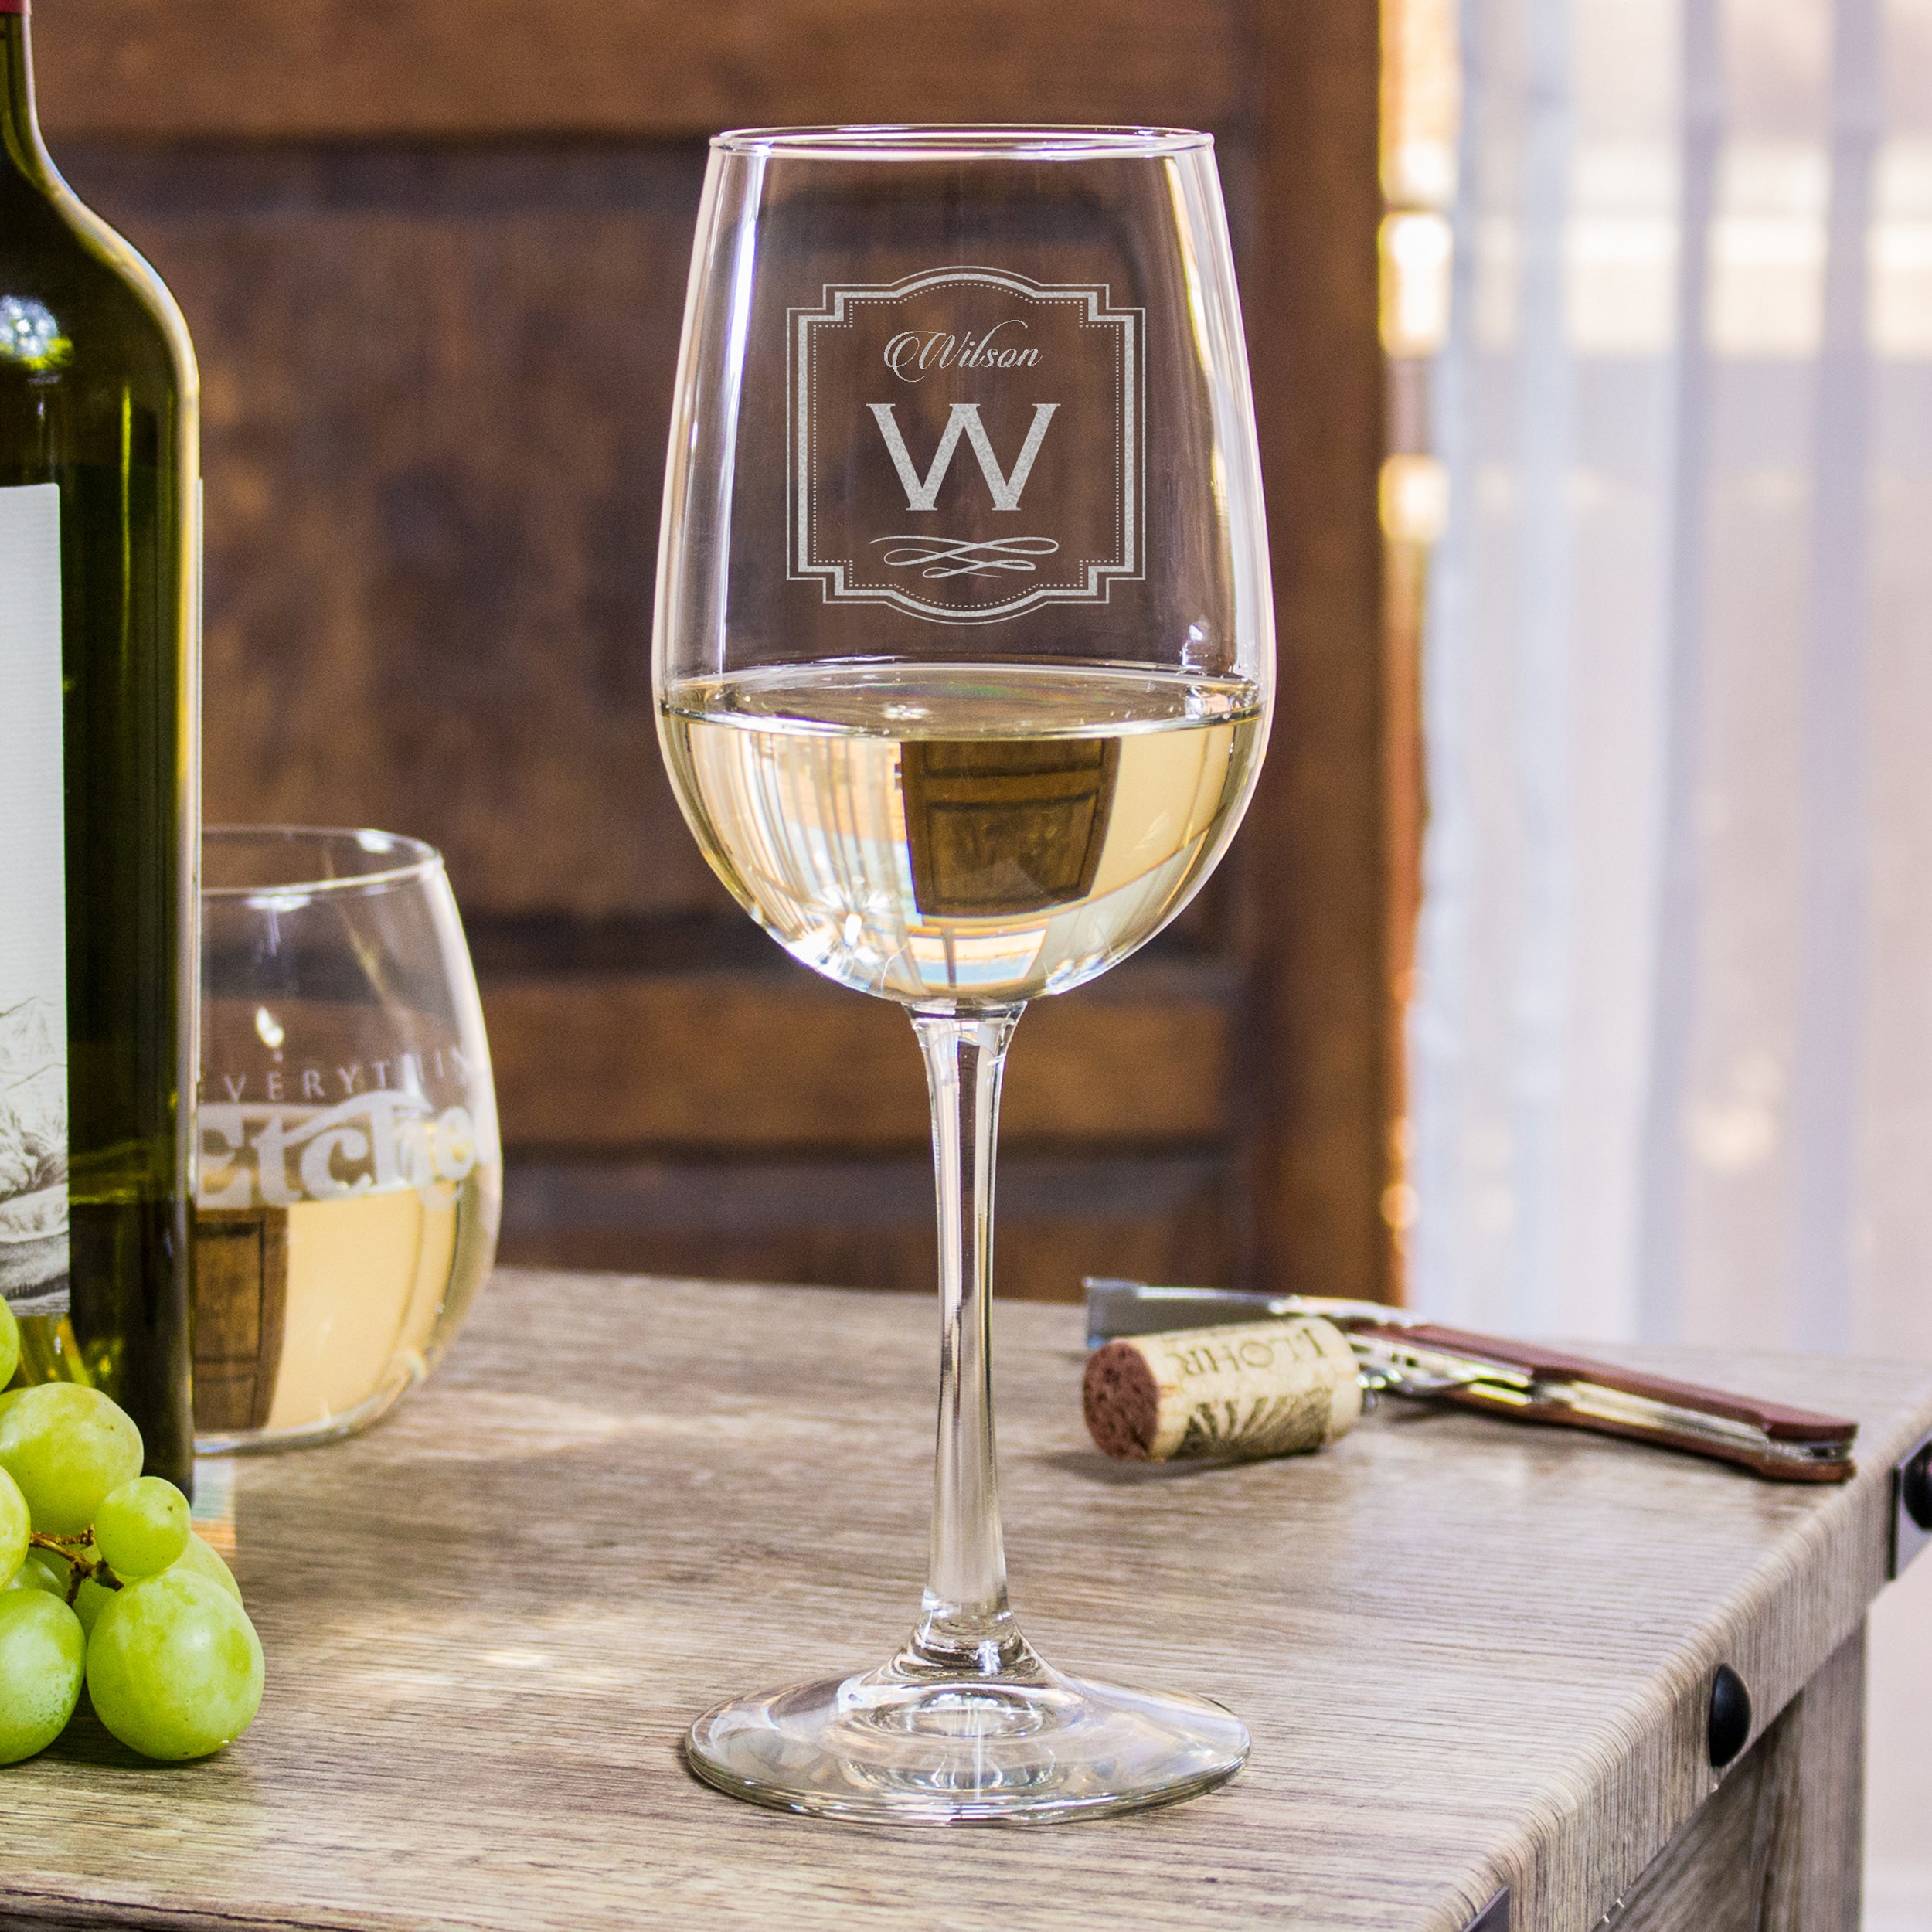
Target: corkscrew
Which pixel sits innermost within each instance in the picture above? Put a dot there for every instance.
(1398, 1355)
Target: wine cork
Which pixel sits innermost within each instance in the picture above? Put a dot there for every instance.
(1257, 1389)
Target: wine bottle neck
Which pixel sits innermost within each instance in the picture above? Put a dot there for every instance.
(19, 132)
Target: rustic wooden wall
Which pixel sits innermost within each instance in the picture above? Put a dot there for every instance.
(433, 257)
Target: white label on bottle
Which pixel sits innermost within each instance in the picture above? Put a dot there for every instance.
(33, 898)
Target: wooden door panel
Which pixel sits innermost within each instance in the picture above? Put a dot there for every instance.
(766, 1060)
(434, 255)
(1164, 1217)
(437, 391)
(345, 69)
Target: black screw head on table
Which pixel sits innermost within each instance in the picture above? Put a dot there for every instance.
(1915, 1487)
(1730, 1716)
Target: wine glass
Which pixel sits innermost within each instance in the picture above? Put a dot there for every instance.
(963, 661)
(351, 1176)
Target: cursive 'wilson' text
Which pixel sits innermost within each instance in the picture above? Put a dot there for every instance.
(913, 352)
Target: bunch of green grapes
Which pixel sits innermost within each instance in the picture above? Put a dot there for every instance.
(103, 1583)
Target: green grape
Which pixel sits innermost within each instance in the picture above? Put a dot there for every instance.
(41, 1572)
(9, 1343)
(199, 1559)
(66, 1446)
(174, 1666)
(42, 1659)
(141, 1528)
(15, 1523)
(202, 1558)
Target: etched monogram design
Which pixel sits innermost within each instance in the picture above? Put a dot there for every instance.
(1003, 398)
(922, 492)
(946, 558)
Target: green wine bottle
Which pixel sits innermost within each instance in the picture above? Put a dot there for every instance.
(100, 786)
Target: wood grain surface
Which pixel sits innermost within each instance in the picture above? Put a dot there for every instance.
(335, 70)
(1778, 1849)
(1470, 1653)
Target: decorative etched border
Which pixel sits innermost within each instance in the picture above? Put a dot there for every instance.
(802, 563)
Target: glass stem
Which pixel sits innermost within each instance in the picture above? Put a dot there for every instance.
(965, 1626)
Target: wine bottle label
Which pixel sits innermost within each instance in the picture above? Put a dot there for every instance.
(33, 922)
(1275, 1388)
(965, 444)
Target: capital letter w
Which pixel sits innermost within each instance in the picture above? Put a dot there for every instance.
(922, 493)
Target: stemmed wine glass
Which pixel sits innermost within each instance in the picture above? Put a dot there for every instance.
(963, 663)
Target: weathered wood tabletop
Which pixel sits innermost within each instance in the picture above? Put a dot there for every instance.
(1472, 1654)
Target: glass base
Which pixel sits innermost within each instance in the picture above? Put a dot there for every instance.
(905, 1746)
(402, 1377)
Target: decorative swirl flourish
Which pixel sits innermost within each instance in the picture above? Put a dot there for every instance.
(949, 557)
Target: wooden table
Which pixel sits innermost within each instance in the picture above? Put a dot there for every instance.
(1473, 1655)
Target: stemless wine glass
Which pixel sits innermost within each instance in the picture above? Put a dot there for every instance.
(351, 1178)
(964, 656)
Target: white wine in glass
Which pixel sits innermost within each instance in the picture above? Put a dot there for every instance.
(963, 663)
(962, 831)
(351, 1174)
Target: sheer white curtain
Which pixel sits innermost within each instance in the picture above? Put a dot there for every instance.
(1672, 1036)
